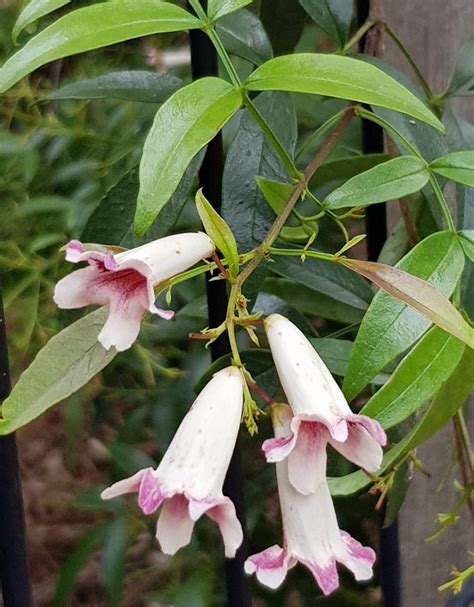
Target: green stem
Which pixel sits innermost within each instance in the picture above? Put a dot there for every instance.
(300, 252)
(266, 128)
(363, 113)
(224, 57)
(442, 203)
(421, 79)
(358, 35)
(200, 12)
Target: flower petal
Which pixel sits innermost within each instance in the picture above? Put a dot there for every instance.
(270, 566)
(326, 577)
(363, 445)
(175, 526)
(229, 525)
(122, 326)
(359, 559)
(151, 492)
(307, 461)
(127, 485)
(76, 290)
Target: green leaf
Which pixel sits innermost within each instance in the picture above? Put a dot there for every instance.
(34, 10)
(284, 22)
(250, 153)
(219, 232)
(218, 8)
(466, 238)
(182, 126)
(387, 181)
(336, 353)
(333, 17)
(112, 220)
(94, 27)
(133, 85)
(308, 301)
(75, 561)
(417, 293)
(347, 167)
(390, 326)
(462, 80)
(242, 34)
(276, 193)
(67, 362)
(114, 559)
(341, 77)
(416, 379)
(458, 166)
(327, 278)
(450, 398)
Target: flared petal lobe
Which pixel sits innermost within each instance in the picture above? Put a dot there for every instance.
(188, 482)
(125, 281)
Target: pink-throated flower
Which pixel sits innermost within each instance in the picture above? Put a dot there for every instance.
(188, 481)
(311, 535)
(320, 410)
(126, 280)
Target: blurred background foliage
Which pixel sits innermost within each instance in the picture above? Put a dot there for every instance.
(58, 159)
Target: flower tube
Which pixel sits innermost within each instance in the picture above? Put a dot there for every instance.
(319, 410)
(188, 481)
(125, 281)
(311, 535)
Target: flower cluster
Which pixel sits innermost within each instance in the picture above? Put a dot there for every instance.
(188, 482)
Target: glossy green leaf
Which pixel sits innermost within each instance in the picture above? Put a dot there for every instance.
(346, 167)
(276, 193)
(462, 80)
(308, 301)
(196, 114)
(242, 34)
(34, 10)
(67, 362)
(341, 77)
(387, 181)
(333, 17)
(284, 21)
(218, 231)
(431, 144)
(133, 85)
(466, 238)
(74, 562)
(327, 278)
(94, 27)
(458, 166)
(390, 326)
(417, 293)
(112, 221)
(449, 399)
(218, 8)
(416, 379)
(250, 153)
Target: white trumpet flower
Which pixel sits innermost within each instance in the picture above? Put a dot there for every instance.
(320, 410)
(188, 481)
(311, 534)
(126, 280)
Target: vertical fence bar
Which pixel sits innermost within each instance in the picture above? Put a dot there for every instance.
(204, 63)
(14, 572)
(376, 228)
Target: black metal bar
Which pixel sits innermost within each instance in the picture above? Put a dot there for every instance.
(204, 63)
(376, 228)
(14, 571)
